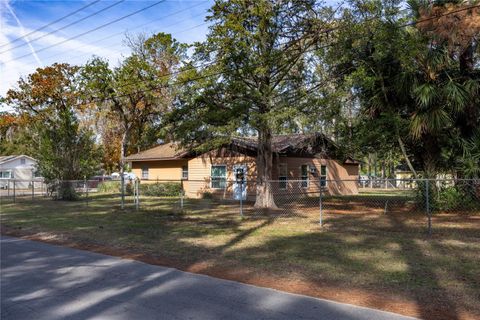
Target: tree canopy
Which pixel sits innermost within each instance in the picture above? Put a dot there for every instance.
(387, 80)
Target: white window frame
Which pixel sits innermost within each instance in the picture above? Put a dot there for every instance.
(211, 177)
(185, 171)
(10, 176)
(320, 176)
(307, 176)
(282, 178)
(145, 177)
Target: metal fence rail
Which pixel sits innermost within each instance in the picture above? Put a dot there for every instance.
(313, 199)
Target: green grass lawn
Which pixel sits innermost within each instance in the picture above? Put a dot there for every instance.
(387, 254)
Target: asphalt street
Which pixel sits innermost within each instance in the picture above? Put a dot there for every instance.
(43, 281)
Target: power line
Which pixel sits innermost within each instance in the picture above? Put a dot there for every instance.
(51, 23)
(225, 71)
(65, 27)
(91, 30)
(213, 62)
(137, 27)
(173, 33)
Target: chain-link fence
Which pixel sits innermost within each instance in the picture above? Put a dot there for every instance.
(312, 199)
(14, 189)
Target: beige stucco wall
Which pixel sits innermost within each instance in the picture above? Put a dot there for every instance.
(345, 176)
(159, 170)
(342, 177)
(199, 171)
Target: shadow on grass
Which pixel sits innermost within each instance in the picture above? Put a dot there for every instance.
(381, 253)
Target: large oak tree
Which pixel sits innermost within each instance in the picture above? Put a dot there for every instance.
(254, 57)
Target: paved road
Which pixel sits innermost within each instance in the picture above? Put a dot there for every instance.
(42, 281)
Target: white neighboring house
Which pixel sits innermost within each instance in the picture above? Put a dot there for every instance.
(19, 167)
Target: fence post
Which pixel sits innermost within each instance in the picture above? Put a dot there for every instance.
(182, 193)
(122, 189)
(427, 206)
(86, 184)
(241, 197)
(33, 190)
(320, 203)
(14, 191)
(137, 194)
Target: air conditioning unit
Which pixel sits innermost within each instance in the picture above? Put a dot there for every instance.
(313, 170)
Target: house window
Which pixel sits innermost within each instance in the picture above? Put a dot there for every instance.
(304, 176)
(219, 177)
(282, 176)
(6, 174)
(145, 173)
(184, 172)
(323, 176)
(22, 161)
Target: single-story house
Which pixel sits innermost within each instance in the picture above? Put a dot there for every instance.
(301, 164)
(22, 168)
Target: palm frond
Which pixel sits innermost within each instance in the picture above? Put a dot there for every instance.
(456, 94)
(425, 94)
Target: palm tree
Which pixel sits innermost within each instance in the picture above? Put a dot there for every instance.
(446, 80)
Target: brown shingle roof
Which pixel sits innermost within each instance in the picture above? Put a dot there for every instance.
(280, 143)
(167, 151)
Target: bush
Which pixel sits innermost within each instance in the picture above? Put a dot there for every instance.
(445, 198)
(128, 188)
(421, 194)
(168, 189)
(450, 198)
(108, 186)
(459, 197)
(64, 190)
(207, 195)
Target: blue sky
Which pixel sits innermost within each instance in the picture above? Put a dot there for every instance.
(185, 19)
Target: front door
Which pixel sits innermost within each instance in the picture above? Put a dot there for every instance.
(240, 182)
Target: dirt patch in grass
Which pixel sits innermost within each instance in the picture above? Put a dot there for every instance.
(384, 261)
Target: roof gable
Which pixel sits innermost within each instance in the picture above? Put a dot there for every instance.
(167, 151)
(6, 159)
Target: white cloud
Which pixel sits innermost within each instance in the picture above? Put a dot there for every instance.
(23, 33)
(11, 68)
(79, 50)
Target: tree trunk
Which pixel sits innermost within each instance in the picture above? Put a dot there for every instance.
(430, 155)
(404, 153)
(264, 196)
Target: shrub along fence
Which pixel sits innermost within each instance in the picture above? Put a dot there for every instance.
(310, 198)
